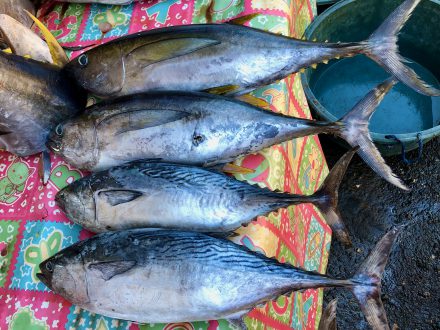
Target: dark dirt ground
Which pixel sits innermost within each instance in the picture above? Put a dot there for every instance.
(370, 206)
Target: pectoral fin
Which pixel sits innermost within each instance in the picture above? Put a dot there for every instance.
(56, 51)
(116, 197)
(166, 49)
(137, 120)
(112, 268)
(45, 167)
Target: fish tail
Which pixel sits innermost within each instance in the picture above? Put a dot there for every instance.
(366, 283)
(382, 47)
(353, 128)
(326, 198)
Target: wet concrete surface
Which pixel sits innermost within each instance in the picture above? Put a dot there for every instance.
(370, 206)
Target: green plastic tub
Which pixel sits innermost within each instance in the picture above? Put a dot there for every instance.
(404, 117)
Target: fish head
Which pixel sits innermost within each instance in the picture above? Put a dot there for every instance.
(77, 201)
(100, 70)
(75, 141)
(65, 274)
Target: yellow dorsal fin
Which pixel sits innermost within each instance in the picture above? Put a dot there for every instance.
(243, 19)
(58, 54)
(248, 98)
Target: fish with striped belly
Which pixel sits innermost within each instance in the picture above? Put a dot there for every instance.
(200, 129)
(227, 59)
(161, 276)
(162, 195)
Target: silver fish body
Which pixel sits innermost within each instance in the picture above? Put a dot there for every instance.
(200, 129)
(34, 98)
(226, 58)
(169, 276)
(188, 128)
(163, 195)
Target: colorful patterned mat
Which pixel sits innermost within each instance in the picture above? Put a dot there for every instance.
(33, 228)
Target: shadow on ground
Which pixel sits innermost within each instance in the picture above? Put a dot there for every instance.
(370, 207)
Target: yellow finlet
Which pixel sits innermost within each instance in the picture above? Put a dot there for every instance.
(236, 169)
(56, 51)
(314, 66)
(8, 50)
(255, 101)
(221, 90)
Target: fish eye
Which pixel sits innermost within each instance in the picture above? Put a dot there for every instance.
(59, 129)
(83, 60)
(197, 139)
(49, 267)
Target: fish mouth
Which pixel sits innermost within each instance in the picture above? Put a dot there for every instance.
(53, 145)
(44, 280)
(59, 199)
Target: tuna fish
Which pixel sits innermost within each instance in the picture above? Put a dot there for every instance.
(227, 58)
(34, 98)
(155, 276)
(162, 195)
(200, 129)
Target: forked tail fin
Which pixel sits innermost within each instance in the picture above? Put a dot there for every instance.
(353, 128)
(367, 281)
(328, 318)
(326, 198)
(382, 47)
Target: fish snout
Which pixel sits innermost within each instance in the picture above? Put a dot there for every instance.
(44, 280)
(46, 273)
(60, 198)
(76, 204)
(68, 201)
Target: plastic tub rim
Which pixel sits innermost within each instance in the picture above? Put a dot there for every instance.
(376, 137)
